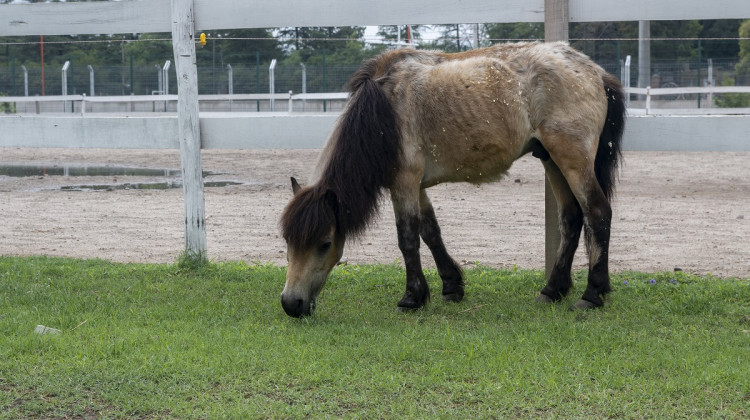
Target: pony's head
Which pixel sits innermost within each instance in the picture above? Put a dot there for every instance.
(314, 246)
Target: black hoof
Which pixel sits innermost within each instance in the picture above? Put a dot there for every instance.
(410, 302)
(550, 296)
(409, 305)
(542, 298)
(584, 305)
(457, 296)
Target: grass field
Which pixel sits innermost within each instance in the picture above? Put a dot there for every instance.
(169, 341)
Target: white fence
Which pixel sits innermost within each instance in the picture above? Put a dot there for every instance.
(708, 90)
(81, 104)
(191, 132)
(155, 15)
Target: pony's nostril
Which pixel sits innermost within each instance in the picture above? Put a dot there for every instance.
(294, 307)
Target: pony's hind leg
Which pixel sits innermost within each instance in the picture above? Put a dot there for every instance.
(406, 207)
(571, 221)
(450, 272)
(578, 170)
(598, 221)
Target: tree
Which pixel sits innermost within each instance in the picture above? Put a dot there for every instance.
(721, 28)
(742, 72)
(499, 32)
(407, 33)
(236, 46)
(743, 67)
(454, 38)
(305, 43)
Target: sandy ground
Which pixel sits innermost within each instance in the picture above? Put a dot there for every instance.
(686, 210)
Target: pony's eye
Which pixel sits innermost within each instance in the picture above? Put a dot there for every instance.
(324, 247)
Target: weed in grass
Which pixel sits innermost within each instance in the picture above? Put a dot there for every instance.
(189, 261)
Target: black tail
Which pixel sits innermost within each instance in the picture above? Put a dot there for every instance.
(365, 155)
(609, 153)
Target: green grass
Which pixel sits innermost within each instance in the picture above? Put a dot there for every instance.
(211, 341)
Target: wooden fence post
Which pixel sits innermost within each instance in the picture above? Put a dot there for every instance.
(555, 29)
(183, 42)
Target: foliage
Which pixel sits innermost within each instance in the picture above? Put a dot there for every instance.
(250, 50)
(742, 69)
(410, 33)
(310, 41)
(7, 107)
(732, 100)
(592, 37)
(160, 341)
(515, 31)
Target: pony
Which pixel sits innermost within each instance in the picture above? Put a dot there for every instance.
(418, 118)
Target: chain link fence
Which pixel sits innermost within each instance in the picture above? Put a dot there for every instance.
(140, 80)
(252, 78)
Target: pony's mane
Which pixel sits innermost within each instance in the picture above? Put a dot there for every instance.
(361, 159)
(308, 216)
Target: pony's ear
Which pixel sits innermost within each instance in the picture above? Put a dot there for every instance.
(295, 185)
(333, 201)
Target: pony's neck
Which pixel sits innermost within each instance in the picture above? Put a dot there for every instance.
(362, 154)
(350, 177)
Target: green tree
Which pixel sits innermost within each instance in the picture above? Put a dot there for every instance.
(235, 46)
(499, 32)
(391, 33)
(309, 42)
(743, 67)
(454, 38)
(742, 73)
(720, 28)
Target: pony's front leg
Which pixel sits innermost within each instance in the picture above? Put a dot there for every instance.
(450, 272)
(406, 207)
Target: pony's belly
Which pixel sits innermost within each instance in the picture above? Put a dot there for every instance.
(475, 165)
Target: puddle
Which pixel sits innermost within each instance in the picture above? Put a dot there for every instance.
(39, 171)
(77, 170)
(142, 186)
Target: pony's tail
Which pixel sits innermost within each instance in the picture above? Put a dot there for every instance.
(364, 158)
(609, 152)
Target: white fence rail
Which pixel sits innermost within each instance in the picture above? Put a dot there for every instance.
(155, 15)
(80, 101)
(183, 17)
(650, 92)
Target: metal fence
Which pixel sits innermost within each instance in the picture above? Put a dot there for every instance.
(146, 80)
(254, 79)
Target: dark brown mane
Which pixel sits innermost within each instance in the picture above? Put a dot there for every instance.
(363, 158)
(308, 216)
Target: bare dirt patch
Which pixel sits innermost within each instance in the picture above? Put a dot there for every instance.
(686, 210)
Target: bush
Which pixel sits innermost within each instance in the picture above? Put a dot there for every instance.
(732, 100)
(7, 107)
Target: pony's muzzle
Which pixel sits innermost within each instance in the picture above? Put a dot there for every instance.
(296, 307)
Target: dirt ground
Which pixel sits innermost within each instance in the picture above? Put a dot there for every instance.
(686, 210)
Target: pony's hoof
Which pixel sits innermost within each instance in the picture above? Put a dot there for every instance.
(542, 298)
(414, 300)
(408, 305)
(584, 305)
(454, 297)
